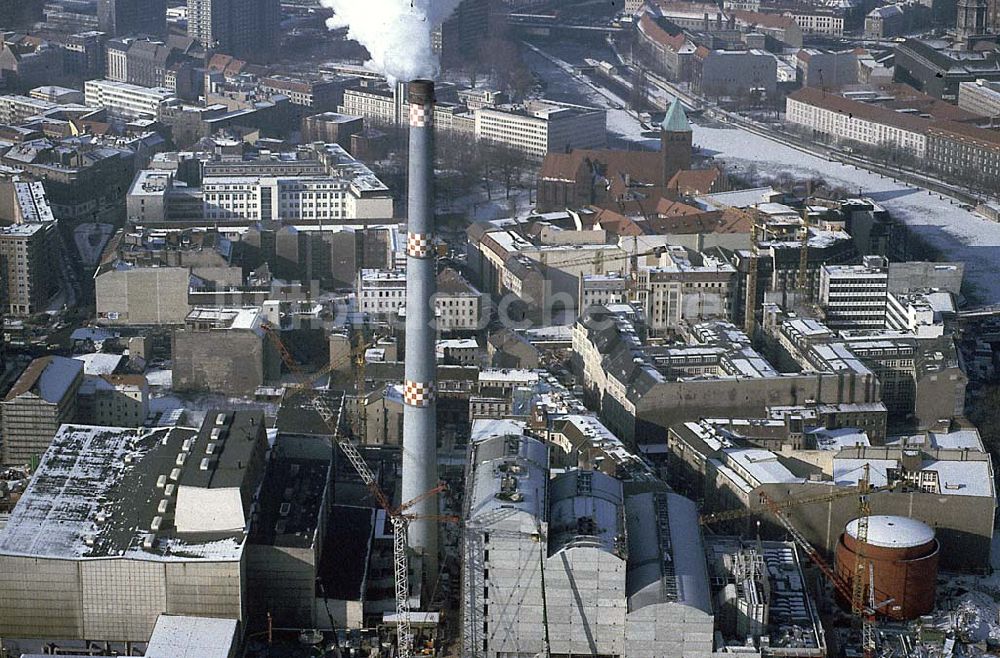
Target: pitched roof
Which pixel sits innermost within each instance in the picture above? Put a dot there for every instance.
(656, 33)
(48, 377)
(692, 182)
(561, 166)
(676, 120)
(764, 20)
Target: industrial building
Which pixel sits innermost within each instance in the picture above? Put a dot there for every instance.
(119, 526)
(577, 561)
(902, 561)
(940, 478)
(530, 543)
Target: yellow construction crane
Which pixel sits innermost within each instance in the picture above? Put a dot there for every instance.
(863, 610)
(750, 316)
(802, 280)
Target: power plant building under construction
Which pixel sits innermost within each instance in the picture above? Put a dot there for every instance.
(577, 562)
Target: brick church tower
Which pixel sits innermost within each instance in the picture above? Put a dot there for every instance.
(675, 142)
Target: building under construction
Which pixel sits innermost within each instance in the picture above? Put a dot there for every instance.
(577, 562)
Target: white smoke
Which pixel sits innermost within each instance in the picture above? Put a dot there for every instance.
(397, 33)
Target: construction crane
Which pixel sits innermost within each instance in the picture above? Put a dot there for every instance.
(802, 279)
(400, 520)
(733, 514)
(359, 347)
(473, 566)
(750, 316)
(865, 612)
(858, 607)
(398, 516)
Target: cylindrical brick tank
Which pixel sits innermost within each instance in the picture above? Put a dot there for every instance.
(903, 553)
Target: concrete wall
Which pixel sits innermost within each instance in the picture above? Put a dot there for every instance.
(674, 402)
(669, 629)
(282, 582)
(142, 296)
(230, 361)
(32, 590)
(584, 593)
(111, 599)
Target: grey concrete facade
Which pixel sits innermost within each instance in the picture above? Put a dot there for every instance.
(143, 296)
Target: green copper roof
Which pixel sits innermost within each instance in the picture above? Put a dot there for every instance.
(676, 121)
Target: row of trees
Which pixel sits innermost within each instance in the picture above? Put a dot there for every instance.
(499, 59)
(466, 163)
(465, 166)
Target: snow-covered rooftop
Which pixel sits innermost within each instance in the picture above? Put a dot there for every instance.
(191, 637)
(97, 494)
(894, 531)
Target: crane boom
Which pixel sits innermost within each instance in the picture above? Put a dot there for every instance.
(730, 515)
(404, 636)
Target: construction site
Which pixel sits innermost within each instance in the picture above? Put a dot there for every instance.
(522, 538)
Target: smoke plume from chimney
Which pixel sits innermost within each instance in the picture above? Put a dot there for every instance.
(397, 33)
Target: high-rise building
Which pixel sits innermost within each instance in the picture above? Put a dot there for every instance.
(123, 17)
(459, 38)
(243, 28)
(26, 252)
(971, 19)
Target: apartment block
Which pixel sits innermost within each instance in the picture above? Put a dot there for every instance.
(127, 100)
(854, 296)
(28, 262)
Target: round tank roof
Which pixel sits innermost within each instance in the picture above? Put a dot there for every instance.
(894, 531)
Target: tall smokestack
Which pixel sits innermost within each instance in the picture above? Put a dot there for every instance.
(420, 389)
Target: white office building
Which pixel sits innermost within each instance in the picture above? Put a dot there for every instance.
(854, 296)
(539, 127)
(127, 100)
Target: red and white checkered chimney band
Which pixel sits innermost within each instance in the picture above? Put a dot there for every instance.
(418, 394)
(418, 245)
(421, 116)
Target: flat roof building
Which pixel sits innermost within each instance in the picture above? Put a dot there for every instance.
(121, 525)
(541, 126)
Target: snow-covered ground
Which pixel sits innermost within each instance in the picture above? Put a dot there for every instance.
(955, 233)
(90, 240)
